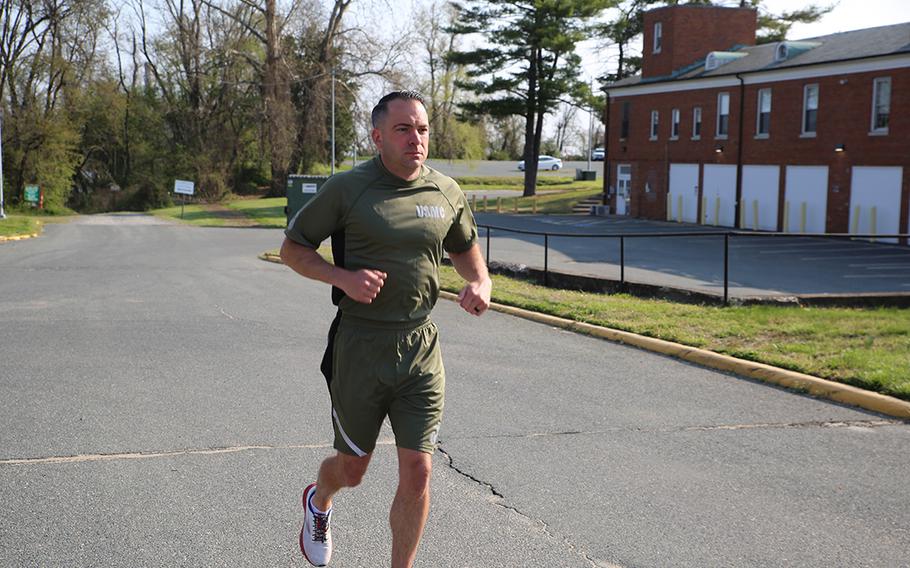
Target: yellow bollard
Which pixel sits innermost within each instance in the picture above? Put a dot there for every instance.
(755, 215)
(669, 207)
(499, 204)
(717, 211)
(704, 210)
(786, 216)
(854, 224)
(534, 204)
(802, 217)
(872, 222)
(679, 209)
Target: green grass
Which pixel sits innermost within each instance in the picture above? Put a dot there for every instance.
(16, 225)
(267, 212)
(193, 214)
(867, 348)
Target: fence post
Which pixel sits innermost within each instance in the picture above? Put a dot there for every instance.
(726, 269)
(488, 243)
(534, 203)
(499, 204)
(516, 205)
(622, 264)
(873, 223)
(473, 202)
(546, 259)
(484, 203)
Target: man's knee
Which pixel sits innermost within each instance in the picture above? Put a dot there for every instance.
(353, 469)
(415, 470)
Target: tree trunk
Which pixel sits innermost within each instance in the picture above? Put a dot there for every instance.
(532, 111)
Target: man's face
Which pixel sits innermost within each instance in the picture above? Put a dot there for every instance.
(403, 137)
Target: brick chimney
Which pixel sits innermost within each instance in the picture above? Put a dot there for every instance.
(677, 36)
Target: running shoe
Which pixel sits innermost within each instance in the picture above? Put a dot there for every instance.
(316, 535)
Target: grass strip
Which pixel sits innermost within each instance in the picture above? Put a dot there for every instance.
(268, 212)
(19, 225)
(864, 347)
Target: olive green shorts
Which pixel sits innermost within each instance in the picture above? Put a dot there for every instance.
(382, 370)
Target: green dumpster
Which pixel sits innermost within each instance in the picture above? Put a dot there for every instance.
(301, 188)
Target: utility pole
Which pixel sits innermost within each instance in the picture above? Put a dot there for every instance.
(2, 214)
(590, 126)
(333, 119)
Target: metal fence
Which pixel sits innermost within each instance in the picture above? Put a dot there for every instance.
(727, 236)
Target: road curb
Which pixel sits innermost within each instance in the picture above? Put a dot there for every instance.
(18, 237)
(815, 386)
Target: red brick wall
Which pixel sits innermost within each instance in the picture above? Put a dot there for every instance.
(691, 32)
(844, 117)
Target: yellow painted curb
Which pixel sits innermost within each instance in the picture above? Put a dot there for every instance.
(816, 386)
(18, 237)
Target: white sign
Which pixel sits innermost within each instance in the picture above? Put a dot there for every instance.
(308, 187)
(184, 187)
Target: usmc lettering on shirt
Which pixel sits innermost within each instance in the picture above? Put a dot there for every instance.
(431, 212)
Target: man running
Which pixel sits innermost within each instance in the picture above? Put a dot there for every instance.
(390, 220)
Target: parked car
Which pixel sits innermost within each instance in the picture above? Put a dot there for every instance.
(544, 163)
(597, 154)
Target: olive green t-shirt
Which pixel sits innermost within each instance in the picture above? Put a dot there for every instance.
(389, 224)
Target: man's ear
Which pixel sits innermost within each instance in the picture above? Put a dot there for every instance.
(377, 138)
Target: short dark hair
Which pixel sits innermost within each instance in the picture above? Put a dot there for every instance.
(382, 107)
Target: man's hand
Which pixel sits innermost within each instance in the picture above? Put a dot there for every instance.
(474, 298)
(362, 285)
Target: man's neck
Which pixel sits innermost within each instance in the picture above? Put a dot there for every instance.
(406, 175)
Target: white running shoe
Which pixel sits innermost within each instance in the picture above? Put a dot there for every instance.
(316, 535)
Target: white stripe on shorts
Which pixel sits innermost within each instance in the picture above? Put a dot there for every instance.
(347, 440)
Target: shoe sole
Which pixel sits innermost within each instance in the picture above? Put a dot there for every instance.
(303, 502)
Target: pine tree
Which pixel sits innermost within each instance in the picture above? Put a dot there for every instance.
(528, 64)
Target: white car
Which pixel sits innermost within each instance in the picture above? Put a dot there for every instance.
(597, 155)
(544, 163)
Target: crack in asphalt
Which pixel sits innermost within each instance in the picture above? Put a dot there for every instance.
(500, 501)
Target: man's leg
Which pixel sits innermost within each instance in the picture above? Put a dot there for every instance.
(339, 471)
(411, 505)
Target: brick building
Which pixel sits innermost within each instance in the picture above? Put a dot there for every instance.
(801, 136)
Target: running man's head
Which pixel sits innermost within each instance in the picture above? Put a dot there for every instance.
(401, 131)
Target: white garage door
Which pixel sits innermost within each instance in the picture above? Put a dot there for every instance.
(719, 195)
(682, 201)
(875, 201)
(760, 197)
(806, 199)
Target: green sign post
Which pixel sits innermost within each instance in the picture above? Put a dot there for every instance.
(33, 195)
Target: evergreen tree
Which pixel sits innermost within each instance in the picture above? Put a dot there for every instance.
(528, 65)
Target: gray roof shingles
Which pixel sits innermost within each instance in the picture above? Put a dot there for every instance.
(857, 44)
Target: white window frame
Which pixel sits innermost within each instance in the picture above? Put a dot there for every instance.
(658, 37)
(696, 120)
(758, 113)
(802, 118)
(875, 91)
(674, 124)
(717, 133)
(655, 124)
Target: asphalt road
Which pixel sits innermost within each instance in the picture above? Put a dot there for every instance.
(758, 266)
(160, 405)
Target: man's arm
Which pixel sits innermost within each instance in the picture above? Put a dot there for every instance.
(475, 296)
(361, 285)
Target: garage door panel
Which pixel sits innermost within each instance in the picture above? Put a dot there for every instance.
(719, 195)
(875, 200)
(806, 199)
(761, 186)
(682, 202)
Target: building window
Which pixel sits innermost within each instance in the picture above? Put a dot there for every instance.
(696, 123)
(810, 110)
(763, 117)
(624, 125)
(881, 104)
(658, 37)
(674, 124)
(723, 115)
(655, 118)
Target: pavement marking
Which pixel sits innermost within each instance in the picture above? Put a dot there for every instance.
(877, 275)
(879, 266)
(863, 255)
